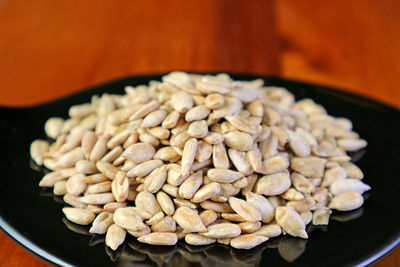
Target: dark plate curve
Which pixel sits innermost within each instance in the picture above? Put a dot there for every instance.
(31, 216)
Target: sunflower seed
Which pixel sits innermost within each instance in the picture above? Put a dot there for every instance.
(155, 180)
(190, 186)
(220, 158)
(101, 224)
(76, 185)
(38, 149)
(270, 230)
(274, 184)
(248, 241)
(263, 205)
(222, 230)
(291, 222)
(115, 236)
(348, 185)
(159, 239)
(346, 201)
(189, 220)
(244, 209)
(128, 219)
(238, 140)
(140, 152)
(109, 170)
(79, 216)
(147, 202)
(321, 216)
(189, 152)
(223, 175)
(208, 217)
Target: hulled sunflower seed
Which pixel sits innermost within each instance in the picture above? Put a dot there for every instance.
(220, 158)
(120, 187)
(79, 216)
(239, 140)
(270, 230)
(263, 205)
(274, 184)
(189, 152)
(190, 186)
(249, 227)
(222, 230)
(139, 152)
(115, 236)
(146, 201)
(224, 175)
(291, 222)
(247, 241)
(244, 209)
(76, 184)
(214, 101)
(159, 239)
(198, 240)
(206, 192)
(346, 201)
(181, 101)
(38, 149)
(189, 220)
(109, 170)
(312, 167)
(97, 199)
(348, 185)
(165, 203)
(321, 216)
(101, 224)
(128, 219)
(208, 217)
(53, 127)
(155, 180)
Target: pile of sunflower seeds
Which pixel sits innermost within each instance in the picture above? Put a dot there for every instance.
(201, 158)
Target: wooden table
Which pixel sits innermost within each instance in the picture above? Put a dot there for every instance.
(52, 48)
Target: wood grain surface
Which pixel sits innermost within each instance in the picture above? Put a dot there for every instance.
(49, 49)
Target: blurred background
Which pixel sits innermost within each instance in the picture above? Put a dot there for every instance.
(49, 49)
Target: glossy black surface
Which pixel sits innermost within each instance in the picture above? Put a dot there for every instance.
(33, 216)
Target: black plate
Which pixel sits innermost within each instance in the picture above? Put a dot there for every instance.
(33, 216)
